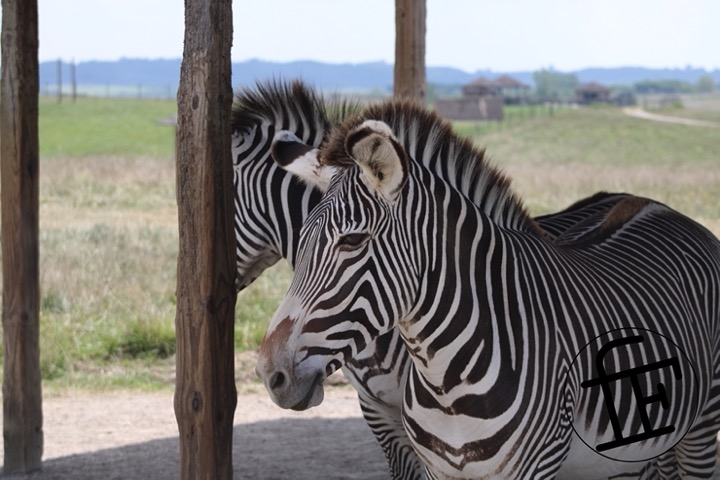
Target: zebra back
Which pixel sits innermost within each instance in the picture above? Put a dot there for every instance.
(497, 317)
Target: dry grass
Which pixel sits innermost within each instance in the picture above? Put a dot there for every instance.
(109, 229)
(108, 261)
(108, 248)
(704, 106)
(122, 192)
(693, 190)
(557, 160)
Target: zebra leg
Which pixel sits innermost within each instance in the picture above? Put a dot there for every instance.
(386, 424)
(666, 465)
(696, 453)
(663, 467)
(696, 456)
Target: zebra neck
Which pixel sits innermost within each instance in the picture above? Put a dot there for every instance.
(482, 188)
(467, 330)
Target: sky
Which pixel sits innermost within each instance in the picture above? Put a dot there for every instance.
(503, 36)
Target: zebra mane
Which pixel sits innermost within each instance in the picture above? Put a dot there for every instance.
(430, 139)
(287, 105)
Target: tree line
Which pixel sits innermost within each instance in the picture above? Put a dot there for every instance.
(554, 85)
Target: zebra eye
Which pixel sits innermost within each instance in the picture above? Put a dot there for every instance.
(350, 241)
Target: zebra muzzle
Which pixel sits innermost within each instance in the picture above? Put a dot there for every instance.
(311, 399)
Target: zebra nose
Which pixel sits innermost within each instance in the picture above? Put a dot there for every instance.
(277, 381)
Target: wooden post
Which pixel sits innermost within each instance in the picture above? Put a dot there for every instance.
(73, 81)
(59, 80)
(205, 394)
(409, 73)
(19, 169)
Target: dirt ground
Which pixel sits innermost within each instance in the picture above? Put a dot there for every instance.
(133, 435)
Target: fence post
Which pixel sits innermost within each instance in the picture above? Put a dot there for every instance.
(409, 73)
(205, 395)
(59, 80)
(19, 169)
(73, 81)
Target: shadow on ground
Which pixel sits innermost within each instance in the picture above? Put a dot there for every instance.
(287, 448)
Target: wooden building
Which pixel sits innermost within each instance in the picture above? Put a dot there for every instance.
(592, 92)
(481, 100)
(511, 90)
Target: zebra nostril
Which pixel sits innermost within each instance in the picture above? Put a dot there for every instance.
(277, 380)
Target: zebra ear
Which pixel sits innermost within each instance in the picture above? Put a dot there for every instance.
(300, 159)
(373, 146)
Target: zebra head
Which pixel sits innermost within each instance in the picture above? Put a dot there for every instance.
(269, 204)
(347, 288)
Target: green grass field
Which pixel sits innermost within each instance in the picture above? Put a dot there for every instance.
(94, 126)
(109, 221)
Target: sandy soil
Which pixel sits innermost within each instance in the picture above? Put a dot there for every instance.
(133, 435)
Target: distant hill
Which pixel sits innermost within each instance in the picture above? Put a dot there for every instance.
(163, 75)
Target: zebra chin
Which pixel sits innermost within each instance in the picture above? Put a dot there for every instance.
(293, 392)
(314, 396)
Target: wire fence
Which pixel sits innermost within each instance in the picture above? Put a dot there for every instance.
(160, 92)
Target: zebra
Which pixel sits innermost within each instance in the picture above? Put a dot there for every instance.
(417, 232)
(270, 207)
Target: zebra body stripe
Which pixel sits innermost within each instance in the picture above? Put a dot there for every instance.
(494, 315)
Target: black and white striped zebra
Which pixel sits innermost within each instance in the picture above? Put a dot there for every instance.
(417, 232)
(270, 207)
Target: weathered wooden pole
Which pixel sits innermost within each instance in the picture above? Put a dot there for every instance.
(59, 80)
(205, 394)
(19, 169)
(73, 80)
(409, 74)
